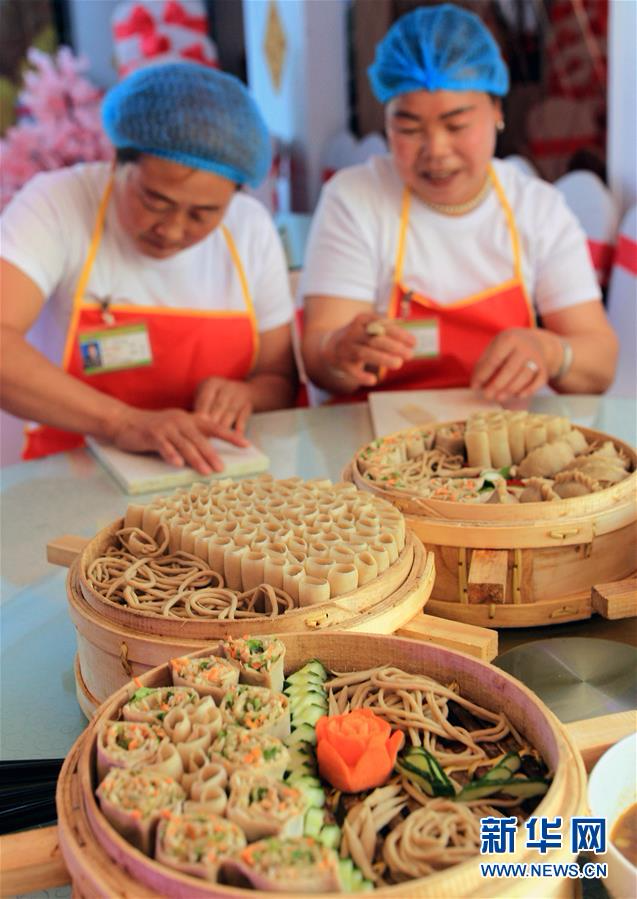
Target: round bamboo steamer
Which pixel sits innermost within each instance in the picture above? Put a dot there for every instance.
(103, 864)
(555, 551)
(115, 644)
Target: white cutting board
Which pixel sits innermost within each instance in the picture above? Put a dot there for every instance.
(146, 472)
(395, 410)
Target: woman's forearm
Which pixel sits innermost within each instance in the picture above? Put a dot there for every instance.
(320, 368)
(271, 390)
(35, 389)
(593, 366)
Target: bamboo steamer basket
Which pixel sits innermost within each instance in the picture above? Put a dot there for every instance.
(103, 864)
(115, 644)
(524, 564)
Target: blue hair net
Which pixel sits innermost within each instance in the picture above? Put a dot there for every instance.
(438, 48)
(190, 114)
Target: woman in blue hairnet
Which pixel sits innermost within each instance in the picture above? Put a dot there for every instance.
(161, 291)
(428, 268)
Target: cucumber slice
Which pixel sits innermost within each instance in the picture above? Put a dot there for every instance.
(519, 787)
(352, 881)
(303, 700)
(313, 670)
(317, 668)
(345, 869)
(303, 734)
(501, 779)
(300, 758)
(309, 716)
(313, 822)
(303, 687)
(303, 770)
(330, 836)
(304, 780)
(356, 880)
(314, 795)
(505, 768)
(421, 769)
(298, 714)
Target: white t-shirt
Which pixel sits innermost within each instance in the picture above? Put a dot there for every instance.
(46, 232)
(354, 236)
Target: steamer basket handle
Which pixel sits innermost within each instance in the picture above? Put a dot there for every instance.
(593, 736)
(65, 550)
(31, 861)
(616, 600)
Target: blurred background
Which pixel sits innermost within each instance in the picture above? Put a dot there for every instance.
(572, 63)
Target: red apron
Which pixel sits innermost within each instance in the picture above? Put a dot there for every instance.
(465, 327)
(187, 346)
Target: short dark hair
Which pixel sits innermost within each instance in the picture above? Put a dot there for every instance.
(127, 154)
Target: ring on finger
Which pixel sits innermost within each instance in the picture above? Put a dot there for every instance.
(532, 365)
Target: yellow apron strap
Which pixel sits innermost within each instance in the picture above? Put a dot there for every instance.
(402, 236)
(392, 311)
(245, 290)
(513, 231)
(86, 268)
(515, 240)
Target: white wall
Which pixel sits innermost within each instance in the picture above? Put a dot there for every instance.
(92, 37)
(311, 105)
(622, 102)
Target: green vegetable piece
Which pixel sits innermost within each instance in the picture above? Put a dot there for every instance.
(313, 822)
(141, 693)
(330, 836)
(421, 769)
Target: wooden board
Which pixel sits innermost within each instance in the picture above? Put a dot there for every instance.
(617, 599)
(65, 550)
(480, 642)
(146, 472)
(488, 573)
(30, 861)
(395, 410)
(593, 736)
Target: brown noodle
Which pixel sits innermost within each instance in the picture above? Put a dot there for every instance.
(140, 573)
(426, 833)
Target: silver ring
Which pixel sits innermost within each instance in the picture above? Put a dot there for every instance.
(532, 365)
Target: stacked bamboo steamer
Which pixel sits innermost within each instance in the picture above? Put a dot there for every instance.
(524, 563)
(101, 863)
(342, 558)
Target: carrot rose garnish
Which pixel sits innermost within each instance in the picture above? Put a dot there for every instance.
(356, 751)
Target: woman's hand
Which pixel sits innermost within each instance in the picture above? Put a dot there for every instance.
(226, 403)
(365, 345)
(181, 438)
(516, 363)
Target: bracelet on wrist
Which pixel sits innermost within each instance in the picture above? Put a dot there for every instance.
(336, 372)
(567, 360)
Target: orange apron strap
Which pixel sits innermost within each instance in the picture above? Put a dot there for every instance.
(234, 253)
(399, 261)
(515, 241)
(86, 269)
(515, 245)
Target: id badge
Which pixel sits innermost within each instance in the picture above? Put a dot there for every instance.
(115, 349)
(427, 334)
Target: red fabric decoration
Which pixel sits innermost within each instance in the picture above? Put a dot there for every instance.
(140, 21)
(196, 53)
(175, 14)
(626, 254)
(153, 44)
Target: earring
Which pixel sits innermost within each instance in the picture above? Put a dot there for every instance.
(499, 126)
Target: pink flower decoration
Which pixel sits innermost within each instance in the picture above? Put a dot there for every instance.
(61, 124)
